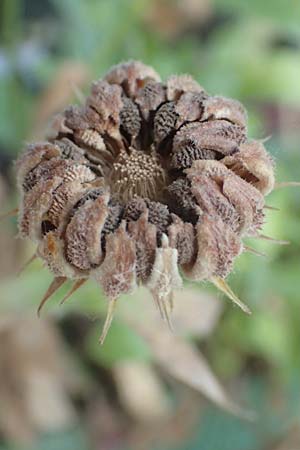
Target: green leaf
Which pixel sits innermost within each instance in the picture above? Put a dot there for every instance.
(121, 343)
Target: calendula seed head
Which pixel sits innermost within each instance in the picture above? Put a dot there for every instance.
(145, 181)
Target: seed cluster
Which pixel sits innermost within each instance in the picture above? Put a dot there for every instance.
(146, 181)
(137, 174)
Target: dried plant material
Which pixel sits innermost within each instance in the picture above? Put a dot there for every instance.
(91, 138)
(64, 198)
(253, 164)
(181, 360)
(52, 251)
(36, 203)
(172, 115)
(217, 247)
(223, 286)
(165, 121)
(287, 184)
(254, 251)
(164, 278)
(132, 76)
(144, 235)
(195, 312)
(33, 155)
(150, 97)
(205, 141)
(83, 233)
(108, 320)
(142, 181)
(117, 272)
(222, 108)
(54, 286)
(130, 118)
(73, 289)
(272, 208)
(219, 192)
(141, 392)
(182, 237)
(178, 84)
(105, 423)
(106, 101)
(270, 239)
(137, 174)
(36, 367)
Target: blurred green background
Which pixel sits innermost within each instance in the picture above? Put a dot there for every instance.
(58, 388)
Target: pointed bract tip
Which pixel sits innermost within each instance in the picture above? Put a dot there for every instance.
(165, 307)
(54, 286)
(284, 184)
(274, 241)
(108, 321)
(73, 289)
(254, 251)
(223, 287)
(271, 208)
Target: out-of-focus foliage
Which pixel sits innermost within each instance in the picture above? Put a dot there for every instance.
(245, 49)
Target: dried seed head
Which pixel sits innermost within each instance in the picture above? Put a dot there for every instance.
(143, 180)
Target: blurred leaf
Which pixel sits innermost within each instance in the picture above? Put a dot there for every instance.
(35, 369)
(181, 360)
(141, 391)
(121, 343)
(195, 312)
(277, 10)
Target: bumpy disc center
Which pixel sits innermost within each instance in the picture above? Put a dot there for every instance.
(135, 173)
